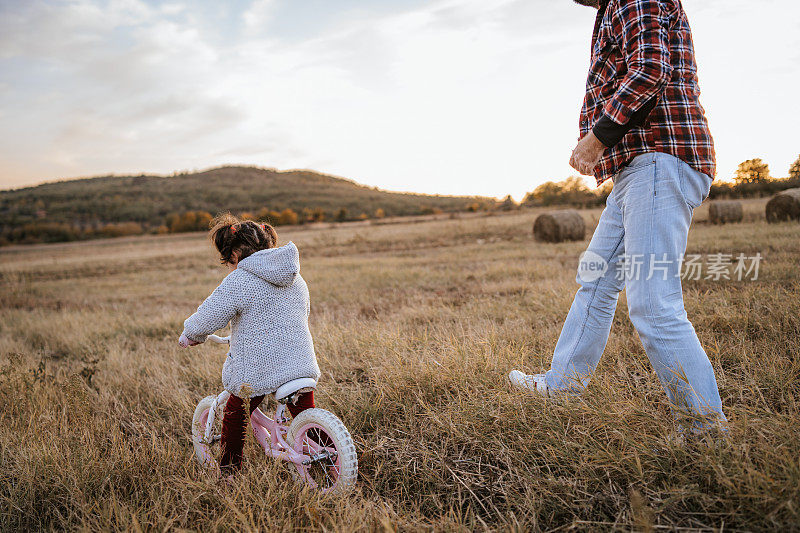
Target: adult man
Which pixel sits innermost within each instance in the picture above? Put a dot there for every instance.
(642, 125)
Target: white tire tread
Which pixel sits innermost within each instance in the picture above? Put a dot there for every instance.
(348, 459)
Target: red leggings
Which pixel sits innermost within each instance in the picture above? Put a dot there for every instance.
(234, 424)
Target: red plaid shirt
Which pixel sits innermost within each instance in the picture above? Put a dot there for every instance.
(643, 49)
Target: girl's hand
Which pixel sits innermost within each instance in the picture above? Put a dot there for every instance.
(186, 341)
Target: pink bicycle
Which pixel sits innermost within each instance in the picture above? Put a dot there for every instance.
(316, 442)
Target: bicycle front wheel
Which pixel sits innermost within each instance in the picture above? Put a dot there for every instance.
(205, 450)
(332, 465)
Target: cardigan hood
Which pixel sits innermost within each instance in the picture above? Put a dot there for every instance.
(278, 266)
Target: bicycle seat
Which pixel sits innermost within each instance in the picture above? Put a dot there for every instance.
(295, 386)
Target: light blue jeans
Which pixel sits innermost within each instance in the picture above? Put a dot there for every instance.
(641, 238)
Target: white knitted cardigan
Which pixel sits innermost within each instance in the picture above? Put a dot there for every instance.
(266, 301)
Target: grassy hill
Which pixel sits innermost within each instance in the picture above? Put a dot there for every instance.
(74, 209)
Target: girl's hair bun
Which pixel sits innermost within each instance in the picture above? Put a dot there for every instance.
(230, 235)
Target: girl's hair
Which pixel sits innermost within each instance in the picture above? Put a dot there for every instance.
(231, 235)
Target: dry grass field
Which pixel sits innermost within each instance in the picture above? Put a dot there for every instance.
(416, 326)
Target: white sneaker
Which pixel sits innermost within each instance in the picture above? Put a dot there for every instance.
(530, 382)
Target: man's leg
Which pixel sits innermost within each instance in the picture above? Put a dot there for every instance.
(657, 201)
(586, 329)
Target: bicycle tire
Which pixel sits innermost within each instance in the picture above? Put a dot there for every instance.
(346, 465)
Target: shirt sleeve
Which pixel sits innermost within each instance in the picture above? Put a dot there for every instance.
(644, 39)
(610, 133)
(215, 312)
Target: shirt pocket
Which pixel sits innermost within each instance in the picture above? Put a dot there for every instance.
(604, 61)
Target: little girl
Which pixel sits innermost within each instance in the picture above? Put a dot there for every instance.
(266, 300)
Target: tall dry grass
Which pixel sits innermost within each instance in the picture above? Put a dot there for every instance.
(416, 326)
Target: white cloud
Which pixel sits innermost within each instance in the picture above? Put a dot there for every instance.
(259, 14)
(461, 96)
(172, 9)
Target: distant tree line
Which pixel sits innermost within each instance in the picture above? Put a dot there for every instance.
(752, 179)
(116, 207)
(45, 231)
(572, 192)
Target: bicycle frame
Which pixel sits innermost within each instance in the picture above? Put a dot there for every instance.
(270, 433)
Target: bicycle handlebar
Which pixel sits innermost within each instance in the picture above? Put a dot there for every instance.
(220, 340)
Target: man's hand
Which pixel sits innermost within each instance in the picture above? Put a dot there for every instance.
(587, 154)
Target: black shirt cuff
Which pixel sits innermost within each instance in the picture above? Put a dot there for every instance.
(610, 133)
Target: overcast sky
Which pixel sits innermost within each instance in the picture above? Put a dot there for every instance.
(438, 96)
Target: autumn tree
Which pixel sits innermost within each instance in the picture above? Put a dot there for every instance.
(269, 216)
(183, 222)
(316, 214)
(572, 191)
(752, 171)
(288, 217)
(188, 221)
(172, 221)
(794, 170)
(548, 193)
(202, 220)
(121, 229)
(508, 204)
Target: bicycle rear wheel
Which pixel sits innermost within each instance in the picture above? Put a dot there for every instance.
(333, 464)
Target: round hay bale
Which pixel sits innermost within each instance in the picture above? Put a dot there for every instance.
(784, 206)
(725, 212)
(559, 226)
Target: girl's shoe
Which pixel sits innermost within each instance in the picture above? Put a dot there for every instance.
(530, 382)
